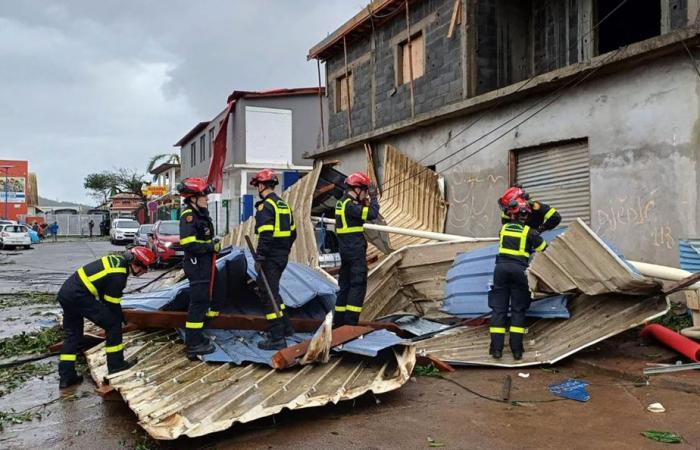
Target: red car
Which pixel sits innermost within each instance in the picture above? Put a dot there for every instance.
(164, 240)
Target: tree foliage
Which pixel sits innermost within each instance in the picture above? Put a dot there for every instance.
(170, 158)
(103, 185)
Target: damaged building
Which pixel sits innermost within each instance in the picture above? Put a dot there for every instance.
(592, 105)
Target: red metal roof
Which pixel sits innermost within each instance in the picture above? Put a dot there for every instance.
(197, 128)
(236, 95)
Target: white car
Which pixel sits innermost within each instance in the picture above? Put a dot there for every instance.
(14, 236)
(123, 230)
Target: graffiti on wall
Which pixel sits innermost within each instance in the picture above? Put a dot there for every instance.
(473, 209)
(638, 217)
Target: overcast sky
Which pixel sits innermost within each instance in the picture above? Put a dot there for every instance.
(89, 85)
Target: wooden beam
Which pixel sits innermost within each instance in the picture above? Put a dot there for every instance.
(288, 356)
(176, 319)
(410, 59)
(454, 19)
(348, 94)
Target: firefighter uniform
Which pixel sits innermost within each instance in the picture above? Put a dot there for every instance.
(94, 292)
(542, 218)
(276, 231)
(516, 243)
(350, 216)
(196, 234)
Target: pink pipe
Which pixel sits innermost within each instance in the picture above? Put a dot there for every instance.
(679, 343)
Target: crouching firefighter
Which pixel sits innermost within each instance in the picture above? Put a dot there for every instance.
(351, 212)
(200, 248)
(276, 230)
(517, 241)
(94, 292)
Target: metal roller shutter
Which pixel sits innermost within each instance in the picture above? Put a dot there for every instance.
(560, 176)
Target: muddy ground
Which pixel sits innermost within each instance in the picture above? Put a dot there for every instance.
(428, 412)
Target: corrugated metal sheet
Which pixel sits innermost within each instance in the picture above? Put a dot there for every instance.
(371, 344)
(579, 261)
(299, 197)
(173, 396)
(559, 176)
(411, 199)
(689, 250)
(471, 276)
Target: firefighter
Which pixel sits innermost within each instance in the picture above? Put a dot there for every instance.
(543, 216)
(358, 204)
(517, 241)
(200, 248)
(276, 231)
(94, 292)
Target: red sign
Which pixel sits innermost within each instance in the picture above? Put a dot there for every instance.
(14, 176)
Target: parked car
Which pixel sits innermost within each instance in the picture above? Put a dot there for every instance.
(141, 236)
(7, 222)
(165, 240)
(15, 236)
(123, 230)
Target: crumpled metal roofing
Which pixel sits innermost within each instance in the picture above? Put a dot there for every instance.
(471, 276)
(371, 344)
(579, 261)
(689, 254)
(173, 396)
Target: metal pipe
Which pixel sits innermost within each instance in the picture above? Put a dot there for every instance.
(415, 233)
(663, 272)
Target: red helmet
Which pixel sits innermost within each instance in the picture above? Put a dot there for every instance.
(510, 197)
(189, 187)
(519, 208)
(142, 256)
(265, 176)
(357, 179)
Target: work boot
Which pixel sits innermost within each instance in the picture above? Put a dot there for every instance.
(69, 381)
(517, 355)
(516, 345)
(119, 367)
(272, 343)
(203, 348)
(497, 354)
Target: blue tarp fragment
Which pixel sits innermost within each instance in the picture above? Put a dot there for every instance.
(571, 389)
(239, 346)
(371, 343)
(471, 276)
(689, 253)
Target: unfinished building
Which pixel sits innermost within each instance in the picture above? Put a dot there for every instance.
(592, 105)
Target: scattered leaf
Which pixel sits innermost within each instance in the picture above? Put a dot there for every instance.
(666, 437)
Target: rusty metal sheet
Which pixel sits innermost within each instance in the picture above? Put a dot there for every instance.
(173, 396)
(411, 199)
(579, 261)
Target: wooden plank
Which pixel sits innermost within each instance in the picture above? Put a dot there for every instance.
(455, 17)
(176, 319)
(288, 356)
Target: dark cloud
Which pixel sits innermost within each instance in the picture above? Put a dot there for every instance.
(88, 85)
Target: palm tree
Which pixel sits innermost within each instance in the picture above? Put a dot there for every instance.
(170, 158)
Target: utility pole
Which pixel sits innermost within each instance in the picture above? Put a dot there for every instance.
(7, 186)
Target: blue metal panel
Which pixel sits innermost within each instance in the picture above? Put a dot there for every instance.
(470, 279)
(372, 343)
(289, 177)
(689, 250)
(246, 207)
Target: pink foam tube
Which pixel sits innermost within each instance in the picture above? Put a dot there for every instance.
(676, 341)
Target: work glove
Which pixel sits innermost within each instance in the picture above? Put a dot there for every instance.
(217, 245)
(373, 190)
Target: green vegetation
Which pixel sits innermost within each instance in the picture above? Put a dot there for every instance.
(427, 371)
(675, 321)
(30, 298)
(27, 343)
(12, 417)
(13, 377)
(666, 437)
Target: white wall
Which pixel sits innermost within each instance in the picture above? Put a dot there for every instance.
(268, 135)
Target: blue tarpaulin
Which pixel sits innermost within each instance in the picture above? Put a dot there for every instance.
(571, 389)
(689, 252)
(471, 276)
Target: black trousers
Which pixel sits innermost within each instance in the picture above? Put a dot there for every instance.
(273, 266)
(198, 269)
(103, 314)
(353, 287)
(509, 288)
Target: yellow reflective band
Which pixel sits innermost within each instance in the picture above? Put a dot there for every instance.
(357, 309)
(115, 300)
(263, 228)
(88, 284)
(271, 316)
(283, 307)
(510, 231)
(194, 325)
(67, 357)
(520, 330)
(365, 212)
(549, 214)
(191, 239)
(212, 313)
(187, 211)
(504, 215)
(114, 348)
(340, 308)
(542, 246)
(340, 212)
(497, 330)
